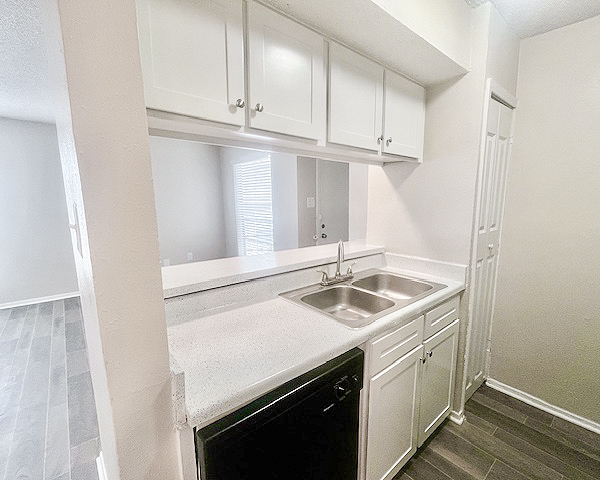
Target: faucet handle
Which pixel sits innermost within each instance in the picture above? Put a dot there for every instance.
(325, 277)
(349, 271)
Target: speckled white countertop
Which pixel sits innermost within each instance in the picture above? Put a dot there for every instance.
(233, 357)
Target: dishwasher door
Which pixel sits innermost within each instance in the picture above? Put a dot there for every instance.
(305, 429)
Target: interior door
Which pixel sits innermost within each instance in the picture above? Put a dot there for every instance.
(491, 203)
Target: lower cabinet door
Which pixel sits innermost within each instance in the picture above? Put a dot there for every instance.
(393, 413)
(437, 379)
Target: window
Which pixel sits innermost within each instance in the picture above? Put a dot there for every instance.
(253, 206)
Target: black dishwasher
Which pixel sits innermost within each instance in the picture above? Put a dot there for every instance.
(305, 429)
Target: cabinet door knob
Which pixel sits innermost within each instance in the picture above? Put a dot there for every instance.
(388, 141)
(240, 103)
(423, 359)
(259, 107)
(379, 140)
(429, 354)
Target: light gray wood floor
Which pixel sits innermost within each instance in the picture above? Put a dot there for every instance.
(48, 424)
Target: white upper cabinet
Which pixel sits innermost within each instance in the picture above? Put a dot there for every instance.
(192, 56)
(355, 99)
(404, 116)
(369, 111)
(237, 62)
(286, 75)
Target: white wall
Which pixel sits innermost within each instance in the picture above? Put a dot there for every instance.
(35, 244)
(358, 198)
(284, 191)
(446, 24)
(546, 326)
(426, 210)
(503, 52)
(189, 200)
(103, 140)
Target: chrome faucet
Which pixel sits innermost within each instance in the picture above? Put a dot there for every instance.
(340, 259)
(338, 277)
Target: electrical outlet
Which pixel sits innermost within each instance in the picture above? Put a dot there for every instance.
(166, 262)
(310, 202)
(190, 256)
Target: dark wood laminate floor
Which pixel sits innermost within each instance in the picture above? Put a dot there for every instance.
(48, 424)
(505, 439)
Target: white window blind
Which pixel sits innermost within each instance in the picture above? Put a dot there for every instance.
(253, 206)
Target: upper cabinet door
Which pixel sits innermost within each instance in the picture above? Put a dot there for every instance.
(286, 75)
(404, 121)
(355, 99)
(193, 57)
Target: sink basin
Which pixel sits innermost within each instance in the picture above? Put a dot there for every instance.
(373, 294)
(347, 304)
(394, 286)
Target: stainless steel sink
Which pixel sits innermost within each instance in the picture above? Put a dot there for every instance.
(347, 304)
(394, 286)
(371, 295)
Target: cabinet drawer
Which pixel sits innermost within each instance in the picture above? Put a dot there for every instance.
(393, 345)
(441, 316)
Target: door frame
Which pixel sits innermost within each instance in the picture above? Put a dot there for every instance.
(493, 91)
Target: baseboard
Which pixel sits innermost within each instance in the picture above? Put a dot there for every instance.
(33, 301)
(457, 417)
(101, 467)
(545, 406)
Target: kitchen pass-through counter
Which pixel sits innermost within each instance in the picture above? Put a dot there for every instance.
(223, 361)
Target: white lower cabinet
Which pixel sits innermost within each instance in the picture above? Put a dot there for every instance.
(437, 379)
(410, 389)
(393, 412)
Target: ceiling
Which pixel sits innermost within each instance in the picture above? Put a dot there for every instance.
(25, 90)
(532, 17)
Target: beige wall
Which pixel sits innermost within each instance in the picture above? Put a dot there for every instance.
(546, 330)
